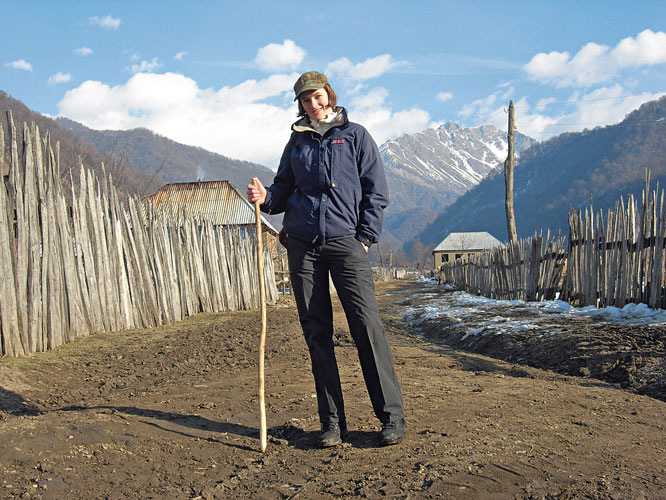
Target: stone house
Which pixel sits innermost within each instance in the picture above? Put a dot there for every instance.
(461, 245)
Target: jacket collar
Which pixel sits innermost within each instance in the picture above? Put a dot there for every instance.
(304, 124)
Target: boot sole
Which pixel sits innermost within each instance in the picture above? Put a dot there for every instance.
(390, 442)
(330, 443)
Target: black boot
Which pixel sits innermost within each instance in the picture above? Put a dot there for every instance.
(392, 432)
(332, 434)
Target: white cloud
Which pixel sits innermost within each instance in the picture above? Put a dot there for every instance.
(600, 107)
(369, 106)
(106, 22)
(384, 124)
(604, 106)
(83, 51)
(146, 67)
(59, 77)
(646, 49)
(373, 113)
(372, 99)
(20, 64)
(483, 110)
(372, 67)
(533, 124)
(595, 64)
(236, 121)
(233, 121)
(493, 110)
(544, 103)
(444, 96)
(179, 56)
(275, 57)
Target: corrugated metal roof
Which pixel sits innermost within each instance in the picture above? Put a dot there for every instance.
(218, 201)
(467, 241)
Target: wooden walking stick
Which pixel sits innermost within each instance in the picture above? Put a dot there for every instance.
(262, 336)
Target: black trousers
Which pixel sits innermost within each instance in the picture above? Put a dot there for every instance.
(347, 261)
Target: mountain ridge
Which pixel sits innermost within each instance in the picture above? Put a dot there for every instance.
(172, 161)
(73, 151)
(572, 170)
(431, 169)
(443, 179)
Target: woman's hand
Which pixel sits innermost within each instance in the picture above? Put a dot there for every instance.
(256, 193)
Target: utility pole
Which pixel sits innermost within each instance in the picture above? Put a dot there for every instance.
(508, 180)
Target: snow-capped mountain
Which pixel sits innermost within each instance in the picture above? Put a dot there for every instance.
(576, 170)
(436, 166)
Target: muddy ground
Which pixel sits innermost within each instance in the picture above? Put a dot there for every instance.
(172, 413)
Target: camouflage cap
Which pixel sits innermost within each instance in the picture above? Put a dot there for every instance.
(312, 80)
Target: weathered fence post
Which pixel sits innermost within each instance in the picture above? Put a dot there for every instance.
(11, 341)
(508, 179)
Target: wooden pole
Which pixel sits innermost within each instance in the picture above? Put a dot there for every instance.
(508, 179)
(262, 337)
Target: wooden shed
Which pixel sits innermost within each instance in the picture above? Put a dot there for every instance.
(218, 201)
(461, 245)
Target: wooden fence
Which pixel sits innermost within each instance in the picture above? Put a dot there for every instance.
(618, 259)
(282, 277)
(610, 260)
(530, 269)
(77, 261)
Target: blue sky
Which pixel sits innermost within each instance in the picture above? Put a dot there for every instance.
(219, 74)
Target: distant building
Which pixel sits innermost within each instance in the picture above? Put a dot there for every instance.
(461, 245)
(217, 201)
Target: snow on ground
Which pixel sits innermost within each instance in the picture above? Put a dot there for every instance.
(480, 315)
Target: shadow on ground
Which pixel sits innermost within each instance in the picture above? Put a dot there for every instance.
(13, 403)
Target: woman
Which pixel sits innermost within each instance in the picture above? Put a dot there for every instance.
(332, 189)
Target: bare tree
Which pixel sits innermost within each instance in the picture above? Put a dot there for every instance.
(422, 254)
(165, 162)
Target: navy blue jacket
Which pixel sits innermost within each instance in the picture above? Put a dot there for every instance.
(330, 187)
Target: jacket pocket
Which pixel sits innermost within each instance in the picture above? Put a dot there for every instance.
(344, 170)
(301, 206)
(300, 216)
(358, 194)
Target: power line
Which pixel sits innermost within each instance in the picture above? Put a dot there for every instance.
(563, 125)
(505, 110)
(590, 100)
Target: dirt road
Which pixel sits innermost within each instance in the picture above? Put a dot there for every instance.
(172, 413)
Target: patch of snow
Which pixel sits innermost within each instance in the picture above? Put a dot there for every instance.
(473, 331)
(481, 315)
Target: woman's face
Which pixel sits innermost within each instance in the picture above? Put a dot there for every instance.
(315, 104)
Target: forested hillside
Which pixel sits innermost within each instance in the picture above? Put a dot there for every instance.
(139, 161)
(169, 160)
(74, 151)
(570, 171)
